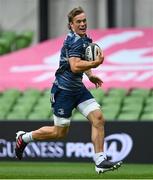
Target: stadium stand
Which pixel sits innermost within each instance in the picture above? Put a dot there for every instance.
(12, 41)
(23, 40)
(4, 46)
(117, 105)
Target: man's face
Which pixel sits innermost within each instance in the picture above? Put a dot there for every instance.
(79, 24)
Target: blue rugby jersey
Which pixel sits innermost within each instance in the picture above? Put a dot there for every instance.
(74, 46)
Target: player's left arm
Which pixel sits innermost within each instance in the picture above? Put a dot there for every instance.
(94, 79)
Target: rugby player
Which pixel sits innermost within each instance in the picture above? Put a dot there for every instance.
(69, 92)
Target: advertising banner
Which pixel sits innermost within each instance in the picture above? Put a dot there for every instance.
(131, 142)
(128, 61)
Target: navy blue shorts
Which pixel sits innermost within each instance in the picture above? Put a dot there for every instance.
(63, 101)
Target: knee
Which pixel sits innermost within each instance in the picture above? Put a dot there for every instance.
(60, 133)
(98, 120)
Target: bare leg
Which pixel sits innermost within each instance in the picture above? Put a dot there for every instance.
(97, 131)
(50, 132)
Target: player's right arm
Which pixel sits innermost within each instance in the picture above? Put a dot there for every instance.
(77, 65)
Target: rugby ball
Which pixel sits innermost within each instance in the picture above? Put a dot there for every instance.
(91, 51)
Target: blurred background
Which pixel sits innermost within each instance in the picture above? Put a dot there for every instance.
(31, 35)
(48, 18)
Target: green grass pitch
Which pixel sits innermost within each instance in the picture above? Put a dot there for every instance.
(52, 170)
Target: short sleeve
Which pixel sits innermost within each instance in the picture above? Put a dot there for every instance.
(76, 49)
